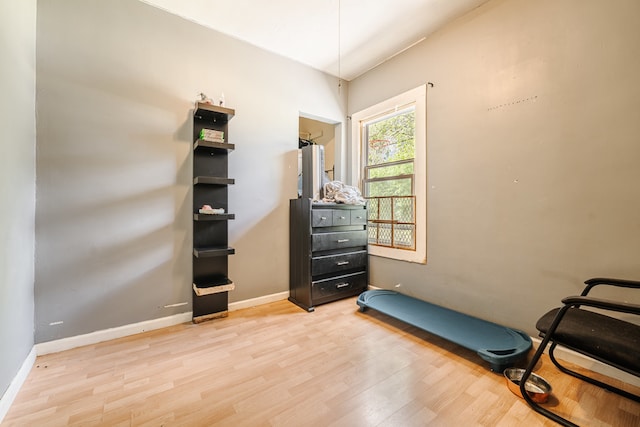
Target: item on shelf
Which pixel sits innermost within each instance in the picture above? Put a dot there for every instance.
(212, 135)
(203, 99)
(221, 99)
(337, 192)
(207, 209)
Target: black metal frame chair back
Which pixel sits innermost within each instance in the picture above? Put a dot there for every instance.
(568, 327)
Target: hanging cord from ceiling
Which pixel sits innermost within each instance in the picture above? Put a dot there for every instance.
(339, 49)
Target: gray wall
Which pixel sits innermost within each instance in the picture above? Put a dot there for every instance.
(533, 147)
(116, 85)
(17, 183)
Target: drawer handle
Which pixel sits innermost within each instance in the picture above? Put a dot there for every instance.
(343, 240)
(342, 263)
(358, 217)
(343, 217)
(342, 285)
(323, 218)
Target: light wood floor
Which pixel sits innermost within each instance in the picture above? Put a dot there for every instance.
(276, 365)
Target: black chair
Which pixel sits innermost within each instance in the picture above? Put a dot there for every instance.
(607, 339)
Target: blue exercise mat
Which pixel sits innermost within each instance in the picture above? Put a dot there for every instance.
(502, 347)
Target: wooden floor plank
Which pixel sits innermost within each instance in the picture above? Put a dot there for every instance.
(277, 365)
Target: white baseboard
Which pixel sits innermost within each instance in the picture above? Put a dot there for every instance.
(9, 396)
(258, 301)
(571, 356)
(136, 328)
(110, 334)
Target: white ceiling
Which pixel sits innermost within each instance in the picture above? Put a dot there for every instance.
(362, 33)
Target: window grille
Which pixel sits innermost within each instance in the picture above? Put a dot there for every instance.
(392, 221)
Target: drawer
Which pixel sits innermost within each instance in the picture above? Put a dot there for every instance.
(321, 218)
(338, 263)
(338, 240)
(347, 284)
(341, 217)
(359, 217)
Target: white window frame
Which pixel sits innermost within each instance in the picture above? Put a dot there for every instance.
(417, 97)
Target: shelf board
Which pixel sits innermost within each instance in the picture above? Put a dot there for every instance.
(213, 217)
(209, 252)
(202, 144)
(211, 280)
(213, 180)
(216, 287)
(213, 112)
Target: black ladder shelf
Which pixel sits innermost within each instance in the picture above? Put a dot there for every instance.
(211, 283)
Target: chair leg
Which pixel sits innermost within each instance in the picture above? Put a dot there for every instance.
(539, 409)
(590, 380)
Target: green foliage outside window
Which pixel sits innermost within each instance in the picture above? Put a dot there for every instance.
(391, 139)
(396, 187)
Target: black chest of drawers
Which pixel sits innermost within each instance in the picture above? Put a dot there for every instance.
(327, 252)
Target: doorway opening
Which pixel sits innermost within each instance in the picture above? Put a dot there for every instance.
(325, 133)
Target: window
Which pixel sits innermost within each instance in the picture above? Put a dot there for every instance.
(389, 151)
(390, 148)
